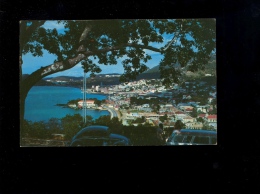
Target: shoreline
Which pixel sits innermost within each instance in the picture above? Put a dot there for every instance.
(96, 93)
(52, 102)
(106, 94)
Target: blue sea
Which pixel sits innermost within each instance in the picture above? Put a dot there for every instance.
(41, 103)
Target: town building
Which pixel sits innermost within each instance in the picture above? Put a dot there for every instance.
(88, 103)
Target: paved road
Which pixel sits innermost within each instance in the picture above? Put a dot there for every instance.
(112, 111)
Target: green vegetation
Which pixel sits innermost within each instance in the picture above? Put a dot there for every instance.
(139, 120)
(207, 126)
(163, 118)
(72, 124)
(74, 101)
(179, 125)
(194, 112)
(200, 120)
(35, 130)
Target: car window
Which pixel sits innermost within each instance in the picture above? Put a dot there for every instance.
(179, 138)
(201, 140)
(120, 143)
(187, 139)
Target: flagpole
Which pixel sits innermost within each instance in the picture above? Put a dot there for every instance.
(84, 98)
(85, 93)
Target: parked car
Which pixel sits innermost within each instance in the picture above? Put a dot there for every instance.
(192, 137)
(98, 135)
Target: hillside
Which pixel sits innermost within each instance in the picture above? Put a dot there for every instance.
(210, 68)
(42, 82)
(64, 78)
(113, 79)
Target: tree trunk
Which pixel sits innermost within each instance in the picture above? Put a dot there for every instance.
(25, 86)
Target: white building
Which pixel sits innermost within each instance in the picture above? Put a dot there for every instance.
(88, 103)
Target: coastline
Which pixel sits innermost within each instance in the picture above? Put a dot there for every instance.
(96, 93)
(43, 103)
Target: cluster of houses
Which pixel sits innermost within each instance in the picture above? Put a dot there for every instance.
(120, 95)
(173, 115)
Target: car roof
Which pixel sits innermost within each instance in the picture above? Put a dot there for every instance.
(196, 132)
(99, 127)
(113, 135)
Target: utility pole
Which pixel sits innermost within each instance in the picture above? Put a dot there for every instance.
(84, 97)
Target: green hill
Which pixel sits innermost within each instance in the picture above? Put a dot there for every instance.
(154, 73)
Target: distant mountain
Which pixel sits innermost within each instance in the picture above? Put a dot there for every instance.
(73, 78)
(113, 78)
(155, 69)
(64, 78)
(154, 73)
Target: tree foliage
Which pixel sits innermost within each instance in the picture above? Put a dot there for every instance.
(71, 124)
(152, 101)
(200, 120)
(139, 120)
(54, 125)
(194, 112)
(37, 129)
(179, 125)
(163, 118)
(191, 41)
(106, 120)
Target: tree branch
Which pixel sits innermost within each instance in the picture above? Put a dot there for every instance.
(69, 63)
(83, 39)
(173, 39)
(61, 66)
(112, 48)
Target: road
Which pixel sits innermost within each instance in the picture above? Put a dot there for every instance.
(112, 111)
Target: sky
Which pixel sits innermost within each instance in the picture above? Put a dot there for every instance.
(31, 63)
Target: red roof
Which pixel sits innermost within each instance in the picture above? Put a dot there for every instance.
(201, 115)
(212, 116)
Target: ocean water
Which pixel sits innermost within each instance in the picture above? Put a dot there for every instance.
(41, 103)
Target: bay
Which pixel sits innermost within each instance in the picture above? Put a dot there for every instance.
(41, 103)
